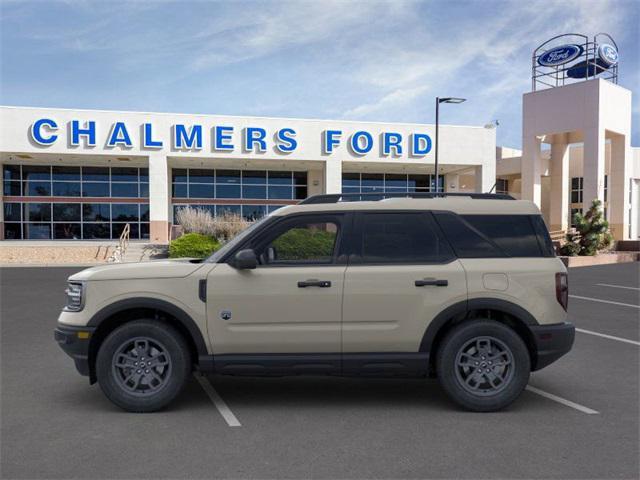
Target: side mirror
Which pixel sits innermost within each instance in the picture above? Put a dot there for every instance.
(245, 260)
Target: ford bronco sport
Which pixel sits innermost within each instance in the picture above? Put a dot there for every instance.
(462, 287)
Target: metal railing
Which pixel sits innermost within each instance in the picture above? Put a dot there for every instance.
(123, 244)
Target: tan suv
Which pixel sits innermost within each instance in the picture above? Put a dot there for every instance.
(463, 287)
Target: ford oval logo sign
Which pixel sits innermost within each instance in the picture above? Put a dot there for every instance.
(560, 55)
(608, 54)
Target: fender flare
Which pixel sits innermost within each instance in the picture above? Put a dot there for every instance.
(156, 304)
(464, 307)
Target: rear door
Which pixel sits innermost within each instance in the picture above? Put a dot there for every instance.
(402, 273)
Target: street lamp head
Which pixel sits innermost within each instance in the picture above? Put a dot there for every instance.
(451, 100)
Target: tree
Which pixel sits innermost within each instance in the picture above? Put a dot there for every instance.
(591, 235)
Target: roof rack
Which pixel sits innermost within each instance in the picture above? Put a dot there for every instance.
(372, 196)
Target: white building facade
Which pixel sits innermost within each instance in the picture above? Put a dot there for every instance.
(85, 174)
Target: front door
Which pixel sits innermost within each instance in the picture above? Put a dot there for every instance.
(291, 303)
(401, 275)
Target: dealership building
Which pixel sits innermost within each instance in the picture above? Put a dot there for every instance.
(86, 174)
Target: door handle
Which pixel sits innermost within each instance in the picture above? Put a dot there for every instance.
(314, 283)
(431, 282)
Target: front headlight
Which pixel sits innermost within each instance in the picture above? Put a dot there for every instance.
(75, 297)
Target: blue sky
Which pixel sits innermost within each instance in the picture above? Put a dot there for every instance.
(368, 60)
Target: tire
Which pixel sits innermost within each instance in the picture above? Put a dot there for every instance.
(483, 365)
(143, 365)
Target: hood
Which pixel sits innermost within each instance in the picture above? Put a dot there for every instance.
(128, 271)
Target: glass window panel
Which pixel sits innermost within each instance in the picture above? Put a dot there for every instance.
(281, 193)
(201, 175)
(179, 175)
(575, 182)
(96, 230)
(12, 189)
(198, 190)
(117, 228)
(377, 189)
(12, 231)
(300, 193)
(254, 191)
(37, 189)
(37, 231)
(229, 209)
(144, 174)
(144, 230)
(575, 197)
(418, 181)
(66, 173)
(124, 174)
(254, 177)
(465, 241)
(12, 212)
(372, 180)
(96, 212)
(227, 176)
(124, 190)
(66, 189)
(11, 172)
(304, 242)
(395, 181)
(144, 212)
(37, 212)
(144, 190)
(124, 212)
(514, 234)
(179, 190)
(227, 191)
(280, 178)
(36, 172)
(66, 212)
(300, 178)
(95, 189)
(348, 190)
(351, 180)
(70, 231)
(254, 212)
(95, 174)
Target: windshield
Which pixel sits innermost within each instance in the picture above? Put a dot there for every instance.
(231, 244)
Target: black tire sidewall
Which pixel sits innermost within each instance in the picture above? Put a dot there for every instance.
(177, 349)
(446, 359)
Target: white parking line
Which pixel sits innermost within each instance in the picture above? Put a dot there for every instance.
(610, 337)
(561, 400)
(616, 286)
(605, 301)
(217, 400)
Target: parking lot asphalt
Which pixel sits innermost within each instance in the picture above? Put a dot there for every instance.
(54, 425)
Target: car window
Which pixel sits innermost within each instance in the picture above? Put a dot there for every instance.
(399, 237)
(465, 240)
(302, 242)
(514, 234)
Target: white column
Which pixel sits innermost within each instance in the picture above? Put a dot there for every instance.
(531, 169)
(618, 186)
(332, 176)
(485, 177)
(593, 167)
(159, 198)
(559, 205)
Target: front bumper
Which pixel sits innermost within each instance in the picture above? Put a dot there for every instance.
(75, 343)
(552, 342)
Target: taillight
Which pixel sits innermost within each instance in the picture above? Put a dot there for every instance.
(562, 289)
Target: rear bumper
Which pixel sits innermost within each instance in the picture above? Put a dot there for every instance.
(74, 345)
(552, 342)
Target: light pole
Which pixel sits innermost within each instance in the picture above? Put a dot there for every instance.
(438, 102)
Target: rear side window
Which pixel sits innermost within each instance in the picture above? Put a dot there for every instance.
(467, 241)
(513, 234)
(409, 238)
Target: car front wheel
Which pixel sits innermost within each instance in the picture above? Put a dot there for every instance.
(483, 365)
(143, 365)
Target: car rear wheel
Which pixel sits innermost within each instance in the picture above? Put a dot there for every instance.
(143, 365)
(483, 365)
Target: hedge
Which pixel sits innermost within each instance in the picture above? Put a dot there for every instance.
(303, 243)
(193, 245)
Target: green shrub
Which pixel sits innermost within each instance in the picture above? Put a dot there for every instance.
(591, 234)
(193, 245)
(303, 243)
